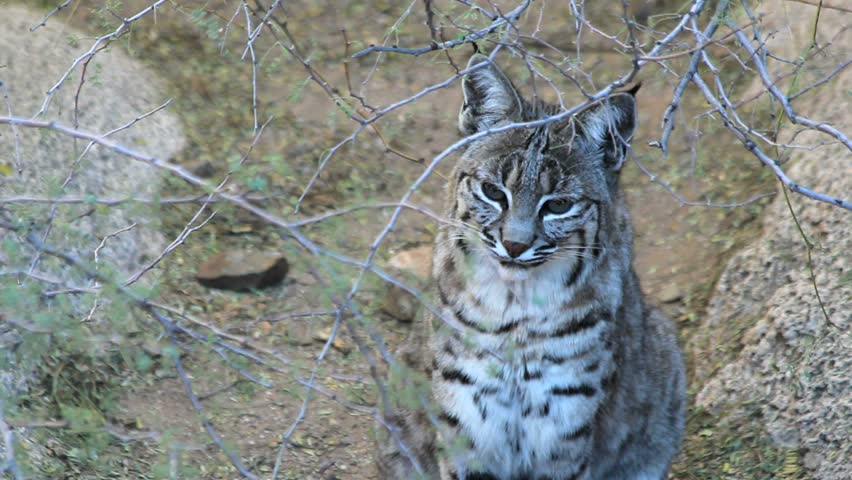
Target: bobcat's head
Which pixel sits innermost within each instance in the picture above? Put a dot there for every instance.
(538, 194)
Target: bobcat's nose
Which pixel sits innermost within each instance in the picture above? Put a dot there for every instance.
(515, 248)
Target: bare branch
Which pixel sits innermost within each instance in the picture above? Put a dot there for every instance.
(478, 35)
(822, 4)
(53, 12)
(773, 164)
(18, 165)
(784, 101)
(686, 78)
(686, 53)
(196, 405)
(96, 46)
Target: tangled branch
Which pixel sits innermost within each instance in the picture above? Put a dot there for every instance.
(693, 54)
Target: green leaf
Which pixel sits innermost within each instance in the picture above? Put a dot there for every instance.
(257, 183)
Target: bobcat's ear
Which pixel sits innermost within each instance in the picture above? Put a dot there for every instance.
(609, 126)
(489, 97)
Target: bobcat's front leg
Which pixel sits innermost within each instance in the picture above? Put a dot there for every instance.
(415, 435)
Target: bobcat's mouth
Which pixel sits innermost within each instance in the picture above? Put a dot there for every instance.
(529, 258)
(515, 263)
(525, 261)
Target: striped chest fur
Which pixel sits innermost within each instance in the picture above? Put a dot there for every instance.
(546, 362)
(527, 368)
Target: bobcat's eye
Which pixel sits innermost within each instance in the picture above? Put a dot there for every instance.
(493, 192)
(557, 206)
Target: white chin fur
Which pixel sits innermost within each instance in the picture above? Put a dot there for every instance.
(513, 274)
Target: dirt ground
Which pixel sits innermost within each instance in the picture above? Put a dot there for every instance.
(680, 250)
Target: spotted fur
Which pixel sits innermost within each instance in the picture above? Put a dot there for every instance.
(552, 366)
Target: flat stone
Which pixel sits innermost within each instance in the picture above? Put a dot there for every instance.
(671, 293)
(400, 304)
(339, 342)
(242, 270)
(200, 168)
(417, 261)
(413, 262)
(299, 333)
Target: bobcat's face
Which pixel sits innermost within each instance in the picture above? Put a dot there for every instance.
(534, 195)
(530, 203)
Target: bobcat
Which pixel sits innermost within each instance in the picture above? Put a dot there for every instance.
(553, 366)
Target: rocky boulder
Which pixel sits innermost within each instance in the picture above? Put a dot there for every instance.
(35, 164)
(415, 266)
(117, 90)
(766, 347)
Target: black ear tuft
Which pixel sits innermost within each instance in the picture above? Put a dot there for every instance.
(635, 88)
(489, 97)
(608, 127)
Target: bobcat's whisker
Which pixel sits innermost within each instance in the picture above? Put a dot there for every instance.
(568, 255)
(458, 224)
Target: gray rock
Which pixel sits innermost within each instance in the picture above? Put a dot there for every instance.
(242, 270)
(118, 89)
(792, 365)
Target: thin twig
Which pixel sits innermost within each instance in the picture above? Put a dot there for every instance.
(684, 202)
(822, 4)
(671, 110)
(782, 99)
(473, 37)
(96, 46)
(809, 246)
(53, 12)
(19, 166)
(196, 405)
